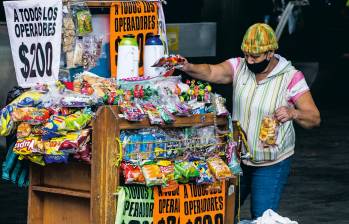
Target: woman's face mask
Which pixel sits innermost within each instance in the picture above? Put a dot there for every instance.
(257, 67)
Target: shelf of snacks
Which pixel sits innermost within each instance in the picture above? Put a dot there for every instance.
(145, 121)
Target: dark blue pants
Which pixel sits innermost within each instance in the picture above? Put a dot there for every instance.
(265, 184)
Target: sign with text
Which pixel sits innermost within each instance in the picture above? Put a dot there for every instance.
(34, 28)
(135, 205)
(137, 18)
(190, 204)
(166, 206)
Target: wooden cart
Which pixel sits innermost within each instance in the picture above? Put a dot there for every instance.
(81, 193)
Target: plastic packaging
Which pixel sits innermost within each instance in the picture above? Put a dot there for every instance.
(132, 173)
(268, 131)
(152, 174)
(83, 18)
(219, 169)
(205, 174)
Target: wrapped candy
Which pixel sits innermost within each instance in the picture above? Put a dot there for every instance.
(153, 114)
(219, 169)
(152, 174)
(166, 115)
(132, 111)
(169, 62)
(218, 103)
(268, 131)
(132, 173)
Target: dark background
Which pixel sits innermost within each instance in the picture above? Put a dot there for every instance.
(317, 191)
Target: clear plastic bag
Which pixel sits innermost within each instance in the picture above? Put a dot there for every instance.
(268, 131)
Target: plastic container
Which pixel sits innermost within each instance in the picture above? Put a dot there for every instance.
(153, 50)
(128, 58)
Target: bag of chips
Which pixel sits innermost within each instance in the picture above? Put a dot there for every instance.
(132, 173)
(268, 131)
(168, 180)
(152, 174)
(205, 174)
(219, 169)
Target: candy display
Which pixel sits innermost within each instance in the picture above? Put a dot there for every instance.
(268, 131)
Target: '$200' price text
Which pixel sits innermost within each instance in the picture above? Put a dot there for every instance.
(41, 62)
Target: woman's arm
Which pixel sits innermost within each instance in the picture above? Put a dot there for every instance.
(305, 113)
(220, 73)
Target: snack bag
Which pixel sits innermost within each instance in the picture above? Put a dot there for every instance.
(28, 146)
(187, 169)
(132, 173)
(205, 174)
(31, 115)
(77, 121)
(152, 174)
(56, 158)
(147, 147)
(23, 130)
(167, 170)
(219, 169)
(268, 131)
(83, 18)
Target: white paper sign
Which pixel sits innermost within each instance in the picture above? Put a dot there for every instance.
(35, 28)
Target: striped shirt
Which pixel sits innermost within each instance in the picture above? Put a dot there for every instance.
(252, 101)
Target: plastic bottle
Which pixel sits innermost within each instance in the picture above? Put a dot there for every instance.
(128, 58)
(153, 50)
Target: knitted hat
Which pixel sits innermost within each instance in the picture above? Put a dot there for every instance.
(259, 38)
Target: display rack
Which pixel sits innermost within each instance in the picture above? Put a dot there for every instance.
(81, 193)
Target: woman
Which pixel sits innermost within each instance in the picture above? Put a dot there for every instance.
(264, 84)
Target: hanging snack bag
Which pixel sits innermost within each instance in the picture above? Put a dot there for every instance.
(83, 18)
(132, 173)
(219, 169)
(187, 169)
(205, 174)
(167, 170)
(268, 131)
(147, 147)
(152, 174)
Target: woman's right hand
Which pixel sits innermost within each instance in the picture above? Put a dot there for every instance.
(184, 62)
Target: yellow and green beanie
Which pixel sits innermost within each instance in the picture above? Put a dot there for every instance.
(259, 38)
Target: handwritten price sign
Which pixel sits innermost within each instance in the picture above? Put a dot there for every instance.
(34, 28)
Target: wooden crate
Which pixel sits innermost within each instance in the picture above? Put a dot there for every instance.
(81, 193)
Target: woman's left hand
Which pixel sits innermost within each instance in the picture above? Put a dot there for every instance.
(284, 114)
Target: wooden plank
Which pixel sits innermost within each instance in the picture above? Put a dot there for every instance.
(104, 176)
(59, 209)
(230, 201)
(196, 120)
(35, 201)
(62, 191)
(74, 176)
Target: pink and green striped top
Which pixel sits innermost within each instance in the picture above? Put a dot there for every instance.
(252, 101)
